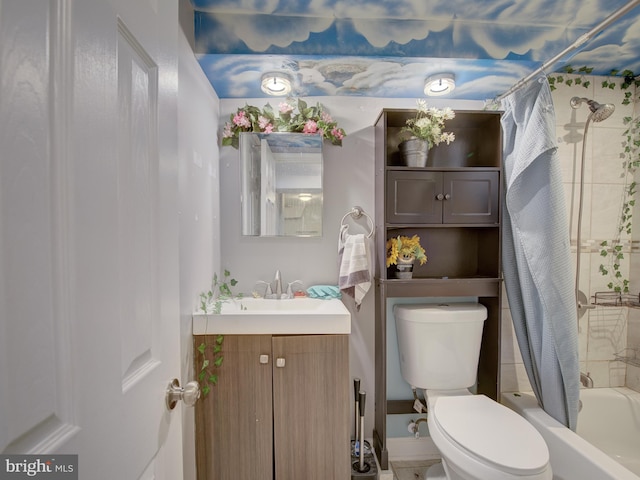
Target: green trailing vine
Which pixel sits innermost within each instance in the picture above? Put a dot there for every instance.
(558, 78)
(207, 377)
(211, 301)
(612, 251)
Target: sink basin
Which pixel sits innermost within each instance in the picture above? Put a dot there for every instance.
(258, 316)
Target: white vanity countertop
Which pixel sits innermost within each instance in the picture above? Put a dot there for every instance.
(257, 316)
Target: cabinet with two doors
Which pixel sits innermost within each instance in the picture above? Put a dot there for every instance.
(453, 205)
(280, 409)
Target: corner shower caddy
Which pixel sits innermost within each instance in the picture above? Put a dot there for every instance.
(630, 355)
(617, 299)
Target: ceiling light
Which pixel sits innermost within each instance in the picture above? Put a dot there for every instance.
(305, 197)
(276, 83)
(439, 84)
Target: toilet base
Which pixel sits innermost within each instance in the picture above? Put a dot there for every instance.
(436, 472)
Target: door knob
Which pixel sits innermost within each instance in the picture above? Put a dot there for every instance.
(190, 393)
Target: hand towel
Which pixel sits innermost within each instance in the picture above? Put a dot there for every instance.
(355, 277)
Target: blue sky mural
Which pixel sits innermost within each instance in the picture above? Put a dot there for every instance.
(382, 48)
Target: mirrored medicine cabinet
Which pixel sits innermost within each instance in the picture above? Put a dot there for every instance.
(281, 184)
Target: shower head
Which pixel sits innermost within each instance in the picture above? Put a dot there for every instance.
(599, 112)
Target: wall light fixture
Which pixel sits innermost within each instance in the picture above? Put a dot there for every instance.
(439, 84)
(276, 83)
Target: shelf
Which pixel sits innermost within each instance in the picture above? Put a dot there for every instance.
(630, 356)
(397, 226)
(442, 287)
(453, 205)
(440, 169)
(616, 299)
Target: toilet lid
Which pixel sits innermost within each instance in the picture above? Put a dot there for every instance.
(492, 432)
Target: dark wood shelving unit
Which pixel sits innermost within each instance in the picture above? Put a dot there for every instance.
(454, 206)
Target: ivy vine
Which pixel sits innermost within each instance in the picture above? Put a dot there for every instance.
(211, 301)
(612, 251)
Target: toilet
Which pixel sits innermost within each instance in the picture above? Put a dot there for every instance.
(478, 438)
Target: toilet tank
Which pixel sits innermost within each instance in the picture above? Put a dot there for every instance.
(439, 344)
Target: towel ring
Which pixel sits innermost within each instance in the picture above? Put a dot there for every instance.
(357, 212)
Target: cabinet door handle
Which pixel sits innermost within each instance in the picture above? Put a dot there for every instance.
(280, 362)
(447, 196)
(439, 196)
(264, 359)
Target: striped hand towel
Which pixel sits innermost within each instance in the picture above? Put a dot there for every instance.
(355, 276)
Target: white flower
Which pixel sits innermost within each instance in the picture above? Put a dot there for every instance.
(428, 124)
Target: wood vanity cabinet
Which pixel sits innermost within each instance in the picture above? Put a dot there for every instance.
(453, 204)
(280, 410)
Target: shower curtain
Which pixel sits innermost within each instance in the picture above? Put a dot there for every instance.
(536, 253)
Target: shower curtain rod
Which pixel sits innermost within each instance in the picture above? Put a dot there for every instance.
(579, 42)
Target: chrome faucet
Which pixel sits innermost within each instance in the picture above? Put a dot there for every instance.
(586, 380)
(274, 289)
(278, 281)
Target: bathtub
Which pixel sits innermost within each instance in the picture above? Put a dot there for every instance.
(607, 443)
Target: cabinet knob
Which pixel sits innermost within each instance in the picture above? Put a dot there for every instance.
(447, 196)
(264, 359)
(439, 196)
(280, 362)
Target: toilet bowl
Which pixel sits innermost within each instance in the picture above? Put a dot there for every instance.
(478, 438)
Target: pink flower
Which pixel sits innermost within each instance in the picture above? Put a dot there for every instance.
(285, 107)
(310, 127)
(227, 133)
(263, 123)
(336, 132)
(326, 117)
(241, 120)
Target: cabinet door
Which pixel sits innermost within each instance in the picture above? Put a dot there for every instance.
(471, 197)
(234, 422)
(311, 407)
(412, 197)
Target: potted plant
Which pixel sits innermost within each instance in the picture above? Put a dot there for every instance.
(423, 131)
(403, 251)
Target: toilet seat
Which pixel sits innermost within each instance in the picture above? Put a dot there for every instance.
(491, 433)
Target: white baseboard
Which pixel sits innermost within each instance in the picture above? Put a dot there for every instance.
(409, 448)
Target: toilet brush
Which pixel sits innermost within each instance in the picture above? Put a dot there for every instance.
(361, 402)
(364, 468)
(356, 415)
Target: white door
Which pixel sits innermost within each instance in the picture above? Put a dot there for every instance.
(89, 295)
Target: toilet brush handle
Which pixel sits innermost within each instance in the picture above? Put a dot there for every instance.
(362, 396)
(356, 393)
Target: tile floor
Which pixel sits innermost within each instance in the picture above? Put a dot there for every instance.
(411, 470)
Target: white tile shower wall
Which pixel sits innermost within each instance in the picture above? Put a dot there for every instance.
(633, 342)
(603, 331)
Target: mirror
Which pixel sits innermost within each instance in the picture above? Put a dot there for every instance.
(281, 190)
